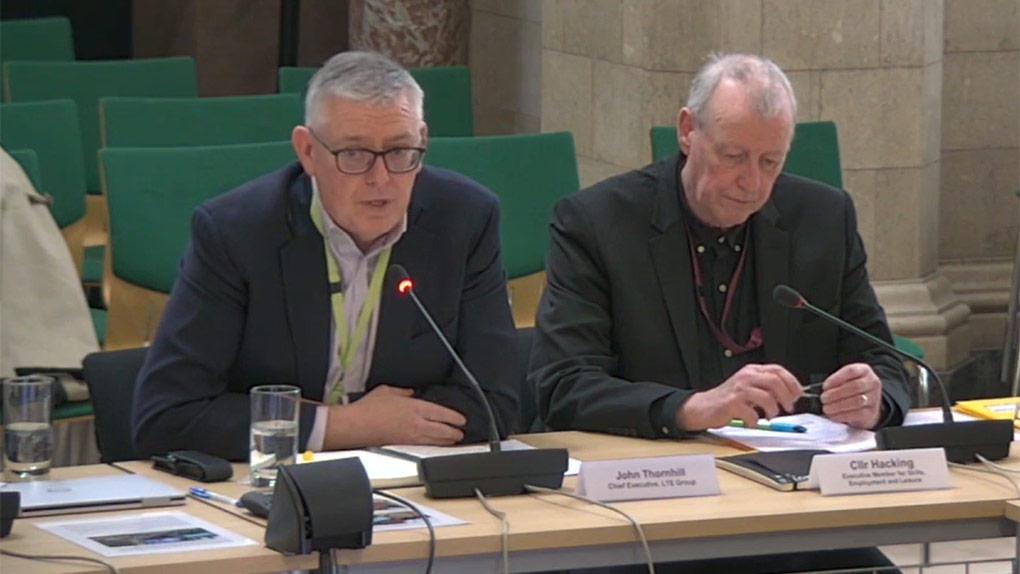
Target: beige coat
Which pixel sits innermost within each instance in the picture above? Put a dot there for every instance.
(44, 318)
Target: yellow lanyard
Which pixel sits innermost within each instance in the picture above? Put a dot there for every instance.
(348, 346)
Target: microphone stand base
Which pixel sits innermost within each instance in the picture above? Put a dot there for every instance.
(493, 473)
(962, 440)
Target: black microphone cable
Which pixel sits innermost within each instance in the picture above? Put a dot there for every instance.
(424, 517)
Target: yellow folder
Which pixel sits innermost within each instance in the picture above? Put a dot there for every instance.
(995, 409)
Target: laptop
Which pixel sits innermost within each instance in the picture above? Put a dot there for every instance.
(117, 492)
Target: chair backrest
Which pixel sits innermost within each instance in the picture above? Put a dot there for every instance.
(529, 173)
(171, 122)
(87, 82)
(110, 376)
(50, 129)
(29, 161)
(152, 193)
(36, 39)
(448, 103)
(814, 153)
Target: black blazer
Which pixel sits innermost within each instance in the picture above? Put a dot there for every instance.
(251, 306)
(617, 326)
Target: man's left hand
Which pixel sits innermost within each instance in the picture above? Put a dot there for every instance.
(853, 395)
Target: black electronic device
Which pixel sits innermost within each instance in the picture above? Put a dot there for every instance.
(320, 506)
(257, 503)
(962, 440)
(496, 472)
(10, 506)
(194, 465)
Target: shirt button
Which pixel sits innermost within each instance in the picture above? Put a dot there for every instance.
(722, 287)
(736, 248)
(722, 239)
(728, 353)
(701, 249)
(665, 430)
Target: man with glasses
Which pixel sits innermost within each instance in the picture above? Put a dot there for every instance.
(285, 281)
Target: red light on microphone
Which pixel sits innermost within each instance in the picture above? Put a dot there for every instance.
(405, 286)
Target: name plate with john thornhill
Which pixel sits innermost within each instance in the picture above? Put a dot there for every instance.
(646, 478)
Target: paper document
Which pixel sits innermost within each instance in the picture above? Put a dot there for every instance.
(384, 471)
(822, 433)
(418, 452)
(388, 515)
(150, 533)
(932, 416)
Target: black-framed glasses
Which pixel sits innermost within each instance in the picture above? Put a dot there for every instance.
(356, 161)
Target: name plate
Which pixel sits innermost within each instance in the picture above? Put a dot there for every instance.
(880, 471)
(645, 478)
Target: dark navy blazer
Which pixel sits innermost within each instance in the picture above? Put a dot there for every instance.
(251, 306)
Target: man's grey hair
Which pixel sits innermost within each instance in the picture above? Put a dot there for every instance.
(767, 85)
(366, 77)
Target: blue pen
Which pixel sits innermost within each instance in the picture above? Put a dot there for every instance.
(206, 495)
(776, 427)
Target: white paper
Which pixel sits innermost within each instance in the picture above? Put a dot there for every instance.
(649, 478)
(424, 451)
(389, 515)
(149, 533)
(822, 433)
(930, 416)
(377, 466)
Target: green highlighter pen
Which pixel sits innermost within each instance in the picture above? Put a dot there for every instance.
(776, 427)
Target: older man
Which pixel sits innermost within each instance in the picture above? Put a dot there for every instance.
(658, 316)
(285, 281)
(657, 319)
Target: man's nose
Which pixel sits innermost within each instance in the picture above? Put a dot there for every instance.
(750, 179)
(378, 174)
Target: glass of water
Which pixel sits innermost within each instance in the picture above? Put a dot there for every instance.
(274, 430)
(28, 432)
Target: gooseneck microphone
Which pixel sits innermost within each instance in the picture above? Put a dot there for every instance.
(962, 440)
(496, 472)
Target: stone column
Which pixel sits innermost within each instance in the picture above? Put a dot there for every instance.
(416, 34)
(614, 68)
(981, 158)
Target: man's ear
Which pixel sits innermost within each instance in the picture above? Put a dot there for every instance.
(685, 124)
(301, 139)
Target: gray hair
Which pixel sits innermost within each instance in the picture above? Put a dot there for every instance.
(767, 84)
(366, 77)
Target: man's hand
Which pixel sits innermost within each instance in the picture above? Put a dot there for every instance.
(853, 395)
(390, 415)
(752, 392)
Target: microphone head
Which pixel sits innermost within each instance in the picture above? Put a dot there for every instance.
(787, 297)
(404, 284)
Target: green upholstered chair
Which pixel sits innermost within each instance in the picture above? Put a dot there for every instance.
(86, 83)
(529, 173)
(29, 161)
(172, 122)
(448, 104)
(152, 193)
(814, 153)
(51, 130)
(36, 39)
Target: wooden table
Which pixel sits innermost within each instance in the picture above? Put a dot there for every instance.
(551, 532)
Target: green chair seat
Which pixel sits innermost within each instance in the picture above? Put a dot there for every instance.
(72, 410)
(99, 324)
(448, 102)
(529, 173)
(909, 347)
